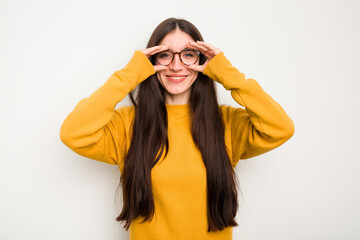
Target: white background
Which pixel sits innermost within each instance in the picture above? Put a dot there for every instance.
(305, 54)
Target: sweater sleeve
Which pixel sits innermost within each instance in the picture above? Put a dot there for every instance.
(263, 125)
(94, 129)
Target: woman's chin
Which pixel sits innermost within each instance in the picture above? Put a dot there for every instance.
(177, 92)
(174, 91)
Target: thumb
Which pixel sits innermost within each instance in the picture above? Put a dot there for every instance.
(198, 68)
(159, 68)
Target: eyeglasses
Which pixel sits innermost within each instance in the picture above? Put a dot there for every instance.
(187, 57)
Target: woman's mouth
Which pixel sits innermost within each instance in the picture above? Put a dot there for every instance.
(176, 78)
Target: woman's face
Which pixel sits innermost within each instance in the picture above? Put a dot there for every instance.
(176, 78)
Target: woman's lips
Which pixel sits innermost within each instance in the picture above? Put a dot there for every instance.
(176, 78)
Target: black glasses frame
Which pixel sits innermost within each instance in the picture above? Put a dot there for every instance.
(179, 53)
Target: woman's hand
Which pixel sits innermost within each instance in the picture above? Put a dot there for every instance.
(208, 50)
(154, 50)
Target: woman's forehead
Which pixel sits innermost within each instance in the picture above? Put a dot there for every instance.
(176, 40)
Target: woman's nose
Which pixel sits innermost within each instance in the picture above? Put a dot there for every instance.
(176, 64)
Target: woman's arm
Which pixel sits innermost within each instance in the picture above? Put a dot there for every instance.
(263, 125)
(94, 129)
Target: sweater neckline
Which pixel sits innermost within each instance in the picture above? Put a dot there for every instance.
(178, 110)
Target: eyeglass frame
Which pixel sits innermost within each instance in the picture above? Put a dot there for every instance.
(179, 53)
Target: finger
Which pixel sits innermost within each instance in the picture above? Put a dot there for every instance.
(157, 50)
(205, 44)
(159, 68)
(198, 68)
(214, 49)
(193, 44)
(152, 50)
(147, 50)
(208, 52)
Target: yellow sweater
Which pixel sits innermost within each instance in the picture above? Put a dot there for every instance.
(96, 130)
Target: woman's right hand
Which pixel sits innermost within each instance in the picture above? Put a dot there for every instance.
(154, 50)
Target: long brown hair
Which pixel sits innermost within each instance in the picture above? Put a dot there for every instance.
(150, 141)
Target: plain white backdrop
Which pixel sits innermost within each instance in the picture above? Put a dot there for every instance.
(305, 54)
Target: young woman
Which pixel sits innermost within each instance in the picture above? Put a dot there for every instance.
(176, 148)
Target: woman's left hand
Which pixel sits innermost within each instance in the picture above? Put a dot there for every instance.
(208, 50)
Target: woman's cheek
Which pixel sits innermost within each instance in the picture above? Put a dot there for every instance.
(158, 75)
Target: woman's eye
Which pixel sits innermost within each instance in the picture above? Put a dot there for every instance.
(164, 55)
(189, 54)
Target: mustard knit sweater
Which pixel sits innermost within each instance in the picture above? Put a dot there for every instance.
(96, 130)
